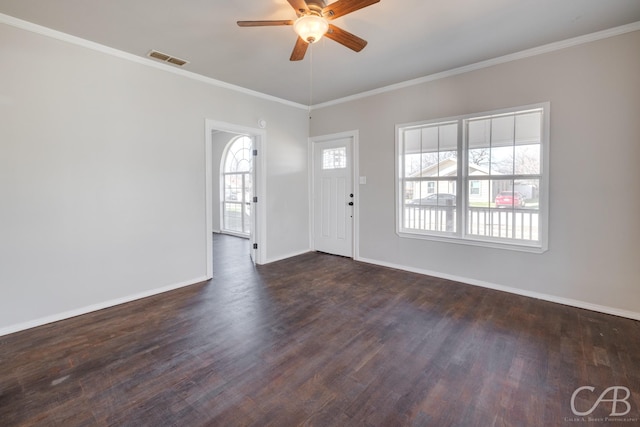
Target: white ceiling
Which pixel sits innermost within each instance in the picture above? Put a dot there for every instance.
(407, 39)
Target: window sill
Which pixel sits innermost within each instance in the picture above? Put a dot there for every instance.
(535, 248)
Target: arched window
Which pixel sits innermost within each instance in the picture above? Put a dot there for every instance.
(237, 186)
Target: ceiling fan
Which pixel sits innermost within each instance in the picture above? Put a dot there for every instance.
(313, 23)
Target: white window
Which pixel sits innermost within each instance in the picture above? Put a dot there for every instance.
(237, 186)
(498, 159)
(334, 158)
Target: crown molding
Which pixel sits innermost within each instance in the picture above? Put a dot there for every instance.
(58, 35)
(540, 50)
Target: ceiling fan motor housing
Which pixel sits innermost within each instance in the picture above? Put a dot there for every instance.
(316, 6)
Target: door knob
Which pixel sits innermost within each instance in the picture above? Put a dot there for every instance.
(350, 203)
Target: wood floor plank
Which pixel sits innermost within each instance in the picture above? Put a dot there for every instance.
(318, 340)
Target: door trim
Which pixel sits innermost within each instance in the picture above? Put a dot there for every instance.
(260, 185)
(355, 171)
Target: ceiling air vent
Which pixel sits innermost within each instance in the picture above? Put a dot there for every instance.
(166, 58)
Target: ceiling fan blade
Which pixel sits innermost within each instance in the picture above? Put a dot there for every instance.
(299, 50)
(299, 5)
(265, 23)
(345, 38)
(342, 7)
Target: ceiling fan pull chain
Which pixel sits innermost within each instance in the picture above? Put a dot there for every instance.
(310, 80)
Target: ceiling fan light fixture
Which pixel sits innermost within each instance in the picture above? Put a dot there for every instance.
(311, 28)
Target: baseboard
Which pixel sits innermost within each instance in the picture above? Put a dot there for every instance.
(94, 307)
(537, 295)
(280, 258)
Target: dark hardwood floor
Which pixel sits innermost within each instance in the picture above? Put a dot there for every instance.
(320, 340)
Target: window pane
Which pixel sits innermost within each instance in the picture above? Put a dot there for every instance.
(430, 139)
(449, 137)
(479, 193)
(334, 158)
(412, 152)
(412, 141)
(232, 216)
(527, 159)
(411, 191)
(448, 163)
(233, 187)
(479, 160)
(502, 160)
(448, 154)
(429, 166)
(239, 155)
(529, 190)
(412, 165)
(478, 132)
(502, 191)
(513, 213)
(528, 127)
(479, 153)
(502, 131)
(432, 211)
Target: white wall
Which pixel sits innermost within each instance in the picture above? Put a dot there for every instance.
(594, 90)
(102, 177)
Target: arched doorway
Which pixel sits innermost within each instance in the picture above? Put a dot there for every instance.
(220, 134)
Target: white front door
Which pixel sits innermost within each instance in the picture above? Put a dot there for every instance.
(333, 201)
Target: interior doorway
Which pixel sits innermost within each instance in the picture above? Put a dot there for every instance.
(235, 186)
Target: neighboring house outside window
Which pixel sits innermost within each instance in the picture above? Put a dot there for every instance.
(474, 188)
(497, 158)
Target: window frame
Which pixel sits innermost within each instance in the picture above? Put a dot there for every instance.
(463, 183)
(229, 156)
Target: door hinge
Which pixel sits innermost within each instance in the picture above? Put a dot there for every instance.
(255, 199)
(255, 152)
(255, 246)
